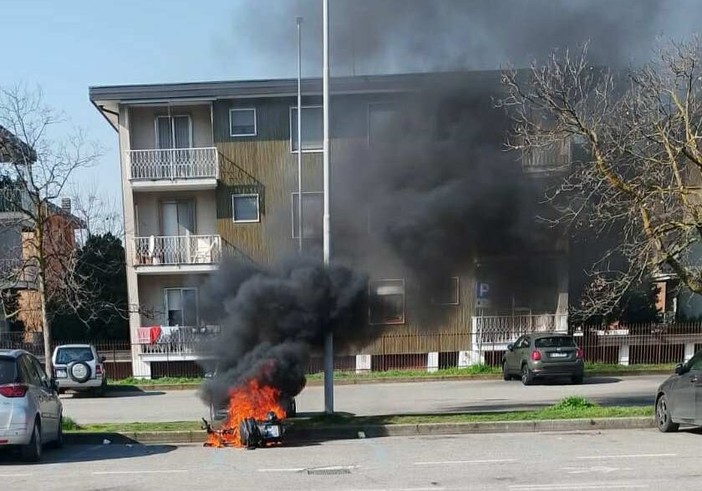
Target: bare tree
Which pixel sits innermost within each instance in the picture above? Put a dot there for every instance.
(35, 175)
(637, 177)
(100, 213)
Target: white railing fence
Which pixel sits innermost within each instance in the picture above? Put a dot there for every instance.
(501, 329)
(181, 249)
(548, 158)
(174, 163)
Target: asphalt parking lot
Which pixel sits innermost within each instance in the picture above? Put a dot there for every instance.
(623, 459)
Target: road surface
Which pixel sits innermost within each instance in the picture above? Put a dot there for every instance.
(374, 399)
(611, 460)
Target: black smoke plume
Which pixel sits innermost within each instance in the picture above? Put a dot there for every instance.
(272, 319)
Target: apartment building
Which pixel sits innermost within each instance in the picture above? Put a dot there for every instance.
(20, 306)
(209, 171)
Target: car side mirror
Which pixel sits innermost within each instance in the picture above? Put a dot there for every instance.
(54, 384)
(103, 359)
(680, 369)
(510, 346)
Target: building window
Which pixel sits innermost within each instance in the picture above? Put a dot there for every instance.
(312, 129)
(245, 208)
(387, 302)
(312, 211)
(181, 306)
(380, 121)
(446, 292)
(242, 122)
(174, 132)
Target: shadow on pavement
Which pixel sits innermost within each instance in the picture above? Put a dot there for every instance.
(89, 453)
(113, 394)
(692, 430)
(586, 381)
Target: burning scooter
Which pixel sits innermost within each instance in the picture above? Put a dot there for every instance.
(254, 418)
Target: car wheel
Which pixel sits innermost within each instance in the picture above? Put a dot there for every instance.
(527, 376)
(32, 451)
(505, 373)
(663, 420)
(577, 379)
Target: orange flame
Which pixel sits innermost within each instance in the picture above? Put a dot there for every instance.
(249, 400)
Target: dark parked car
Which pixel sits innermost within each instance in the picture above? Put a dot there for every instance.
(679, 398)
(543, 355)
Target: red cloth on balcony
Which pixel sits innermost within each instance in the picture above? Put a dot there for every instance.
(149, 335)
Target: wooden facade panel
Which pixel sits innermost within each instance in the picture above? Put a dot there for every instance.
(265, 165)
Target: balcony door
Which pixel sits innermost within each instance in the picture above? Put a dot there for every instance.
(174, 133)
(177, 224)
(181, 305)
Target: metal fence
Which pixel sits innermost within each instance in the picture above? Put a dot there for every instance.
(177, 249)
(174, 163)
(183, 355)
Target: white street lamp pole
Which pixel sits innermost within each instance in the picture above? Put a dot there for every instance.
(299, 135)
(329, 340)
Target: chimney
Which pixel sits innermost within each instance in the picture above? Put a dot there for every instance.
(66, 205)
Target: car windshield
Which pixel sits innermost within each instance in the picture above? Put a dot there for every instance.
(555, 342)
(72, 355)
(8, 371)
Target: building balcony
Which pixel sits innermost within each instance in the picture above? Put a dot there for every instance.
(494, 332)
(173, 254)
(174, 343)
(16, 273)
(549, 159)
(187, 169)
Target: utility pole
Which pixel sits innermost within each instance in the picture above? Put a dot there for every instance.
(329, 339)
(299, 135)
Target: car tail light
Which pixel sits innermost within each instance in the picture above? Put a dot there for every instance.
(536, 355)
(13, 390)
(98, 370)
(579, 354)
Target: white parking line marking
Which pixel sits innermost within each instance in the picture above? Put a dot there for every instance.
(293, 469)
(637, 456)
(564, 487)
(2, 476)
(448, 462)
(109, 473)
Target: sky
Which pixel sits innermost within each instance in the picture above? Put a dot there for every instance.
(64, 47)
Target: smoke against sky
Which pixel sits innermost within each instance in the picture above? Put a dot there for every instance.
(437, 201)
(390, 36)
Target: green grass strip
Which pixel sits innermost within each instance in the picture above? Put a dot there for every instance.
(569, 408)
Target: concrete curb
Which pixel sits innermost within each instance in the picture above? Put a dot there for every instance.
(345, 432)
(388, 380)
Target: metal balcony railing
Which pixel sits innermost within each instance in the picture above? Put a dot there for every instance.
(177, 250)
(173, 163)
(175, 340)
(502, 329)
(15, 201)
(16, 271)
(553, 157)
